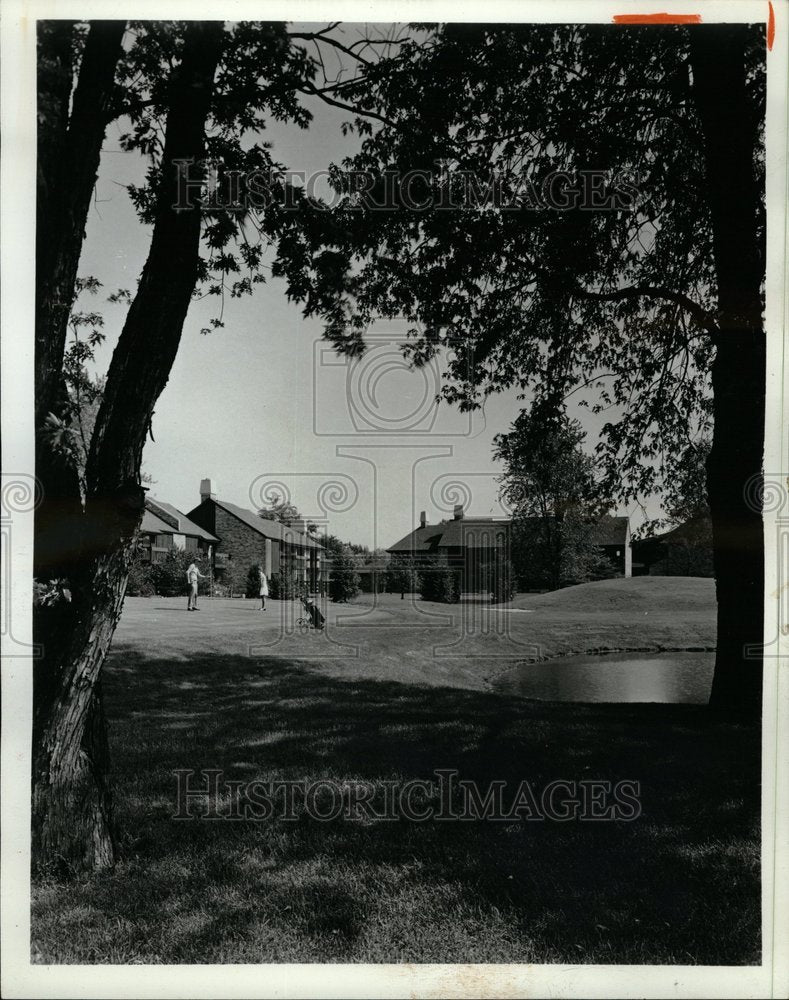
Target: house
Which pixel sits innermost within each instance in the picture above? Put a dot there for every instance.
(685, 550)
(468, 543)
(464, 543)
(612, 535)
(245, 539)
(164, 529)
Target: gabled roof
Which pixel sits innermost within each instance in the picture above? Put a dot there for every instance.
(482, 532)
(474, 533)
(163, 519)
(424, 539)
(612, 530)
(469, 532)
(153, 525)
(267, 528)
(695, 530)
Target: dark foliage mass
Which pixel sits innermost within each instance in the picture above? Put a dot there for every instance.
(555, 235)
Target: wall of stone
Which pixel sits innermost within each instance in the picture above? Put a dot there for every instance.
(243, 547)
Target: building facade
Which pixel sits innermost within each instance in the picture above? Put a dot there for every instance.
(245, 539)
(470, 544)
(166, 529)
(467, 544)
(685, 550)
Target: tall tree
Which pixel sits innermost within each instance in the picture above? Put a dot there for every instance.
(551, 486)
(195, 98)
(72, 813)
(190, 93)
(286, 513)
(575, 209)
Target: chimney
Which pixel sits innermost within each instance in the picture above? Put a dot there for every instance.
(423, 520)
(205, 491)
(458, 515)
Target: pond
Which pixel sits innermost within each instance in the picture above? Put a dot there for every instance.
(675, 678)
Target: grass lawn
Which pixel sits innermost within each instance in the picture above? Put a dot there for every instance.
(384, 696)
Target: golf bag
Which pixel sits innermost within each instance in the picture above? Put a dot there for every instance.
(316, 617)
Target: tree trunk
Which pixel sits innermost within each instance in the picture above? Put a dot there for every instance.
(734, 468)
(69, 151)
(72, 816)
(72, 806)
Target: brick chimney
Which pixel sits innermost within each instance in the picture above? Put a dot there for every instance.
(205, 491)
(423, 519)
(458, 515)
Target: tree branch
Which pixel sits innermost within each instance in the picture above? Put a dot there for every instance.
(314, 91)
(311, 36)
(702, 316)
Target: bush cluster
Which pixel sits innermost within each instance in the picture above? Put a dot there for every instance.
(168, 577)
(284, 585)
(344, 582)
(402, 578)
(441, 585)
(499, 579)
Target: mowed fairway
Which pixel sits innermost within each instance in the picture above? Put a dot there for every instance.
(393, 693)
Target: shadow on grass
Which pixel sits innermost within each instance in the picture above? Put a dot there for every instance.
(678, 885)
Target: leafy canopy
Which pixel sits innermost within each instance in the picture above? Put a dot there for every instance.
(503, 268)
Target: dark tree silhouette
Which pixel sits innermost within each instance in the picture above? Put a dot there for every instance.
(576, 208)
(188, 91)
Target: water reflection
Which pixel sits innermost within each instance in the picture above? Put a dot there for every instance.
(676, 678)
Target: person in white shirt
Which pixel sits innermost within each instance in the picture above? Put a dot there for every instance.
(193, 574)
(263, 588)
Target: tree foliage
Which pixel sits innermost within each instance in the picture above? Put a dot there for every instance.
(280, 510)
(344, 581)
(438, 582)
(510, 135)
(575, 209)
(552, 487)
(402, 576)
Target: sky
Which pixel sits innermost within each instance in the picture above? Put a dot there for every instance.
(265, 408)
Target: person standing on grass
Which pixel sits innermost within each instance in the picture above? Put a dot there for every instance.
(193, 574)
(263, 588)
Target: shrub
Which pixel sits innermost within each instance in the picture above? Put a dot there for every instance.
(344, 583)
(402, 578)
(140, 583)
(253, 581)
(285, 586)
(440, 584)
(169, 575)
(500, 580)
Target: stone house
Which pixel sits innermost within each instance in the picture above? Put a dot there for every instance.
(245, 539)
